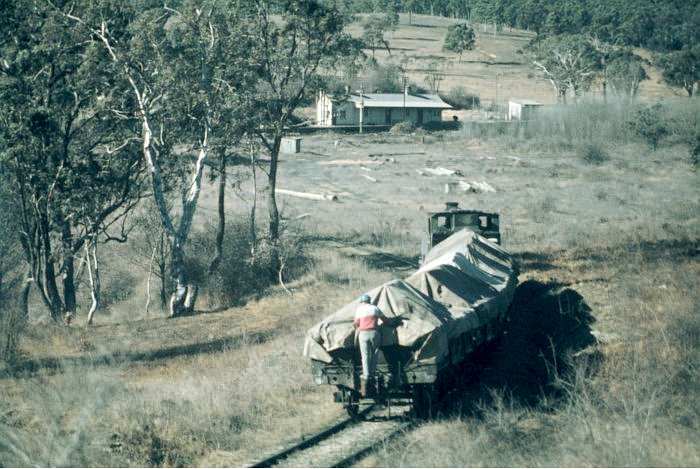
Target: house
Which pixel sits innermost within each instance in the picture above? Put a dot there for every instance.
(357, 109)
(522, 109)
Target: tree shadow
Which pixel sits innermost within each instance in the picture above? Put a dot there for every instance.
(386, 261)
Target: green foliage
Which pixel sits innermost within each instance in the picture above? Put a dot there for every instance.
(624, 73)
(373, 30)
(12, 320)
(460, 97)
(695, 151)
(649, 124)
(241, 274)
(460, 37)
(682, 68)
(379, 78)
(568, 62)
(405, 127)
(66, 143)
(593, 153)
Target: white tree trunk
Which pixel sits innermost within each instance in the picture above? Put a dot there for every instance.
(94, 276)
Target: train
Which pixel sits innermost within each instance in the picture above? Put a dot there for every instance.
(455, 303)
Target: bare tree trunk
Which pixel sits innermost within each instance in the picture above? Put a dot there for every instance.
(26, 288)
(220, 231)
(162, 269)
(190, 299)
(253, 233)
(94, 276)
(68, 270)
(274, 217)
(46, 280)
(148, 280)
(178, 237)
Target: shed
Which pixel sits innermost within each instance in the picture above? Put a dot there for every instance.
(378, 109)
(522, 109)
(290, 145)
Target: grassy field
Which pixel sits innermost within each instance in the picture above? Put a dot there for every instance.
(585, 205)
(494, 69)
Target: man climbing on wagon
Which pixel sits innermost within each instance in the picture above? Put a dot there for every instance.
(367, 318)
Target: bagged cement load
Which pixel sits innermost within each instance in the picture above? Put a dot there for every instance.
(422, 328)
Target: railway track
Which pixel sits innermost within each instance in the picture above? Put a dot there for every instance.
(345, 443)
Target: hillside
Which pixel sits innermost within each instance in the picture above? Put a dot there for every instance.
(585, 205)
(494, 70)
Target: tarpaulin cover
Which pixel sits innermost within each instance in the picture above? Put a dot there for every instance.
(465, 281)
(422, 326)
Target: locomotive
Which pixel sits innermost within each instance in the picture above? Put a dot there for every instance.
(456, 302)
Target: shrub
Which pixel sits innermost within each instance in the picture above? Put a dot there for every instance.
(404, 127)
(12, 322)
(695, 151)
(241, 275)
(12, 318)
(381, 79)
(461, 98)
(593, 153)
(648, 123)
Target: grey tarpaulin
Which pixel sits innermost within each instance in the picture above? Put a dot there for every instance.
(464, 282)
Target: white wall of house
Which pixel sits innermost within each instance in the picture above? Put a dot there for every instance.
(518, 110)
(346, 113)
(324, 110)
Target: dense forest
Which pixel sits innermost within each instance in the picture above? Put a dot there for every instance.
(668, 25)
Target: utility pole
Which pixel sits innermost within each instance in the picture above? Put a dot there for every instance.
(405, 92)
(498, 86)
(362, 105)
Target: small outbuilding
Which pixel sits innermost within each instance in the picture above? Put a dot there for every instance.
(357, 109)
(522, 109)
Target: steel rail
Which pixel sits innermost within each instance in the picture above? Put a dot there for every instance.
(358, 455)
(271, 460)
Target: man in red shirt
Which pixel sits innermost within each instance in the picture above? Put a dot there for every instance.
(367, 318)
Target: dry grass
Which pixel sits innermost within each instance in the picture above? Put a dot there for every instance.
(639, 408)
(217, 388)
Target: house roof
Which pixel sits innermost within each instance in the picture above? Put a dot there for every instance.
(526, 102)
(396, 100)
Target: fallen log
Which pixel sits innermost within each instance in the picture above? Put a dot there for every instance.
(439, 171)
(307, 195)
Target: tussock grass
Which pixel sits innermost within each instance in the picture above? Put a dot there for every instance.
(637, 407)
(173, 413)
(620, 232)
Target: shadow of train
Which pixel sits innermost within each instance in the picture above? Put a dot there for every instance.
(549, 324)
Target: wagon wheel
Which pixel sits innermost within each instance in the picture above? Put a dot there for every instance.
(424, 401)
(352, 407)
(353, 410)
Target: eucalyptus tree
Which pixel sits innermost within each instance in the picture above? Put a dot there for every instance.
(624, 73)
(682, 68)
(182, 65)
(373, 30)
(294, 40)
(70, 152)
(569, 62)
(460, 37)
